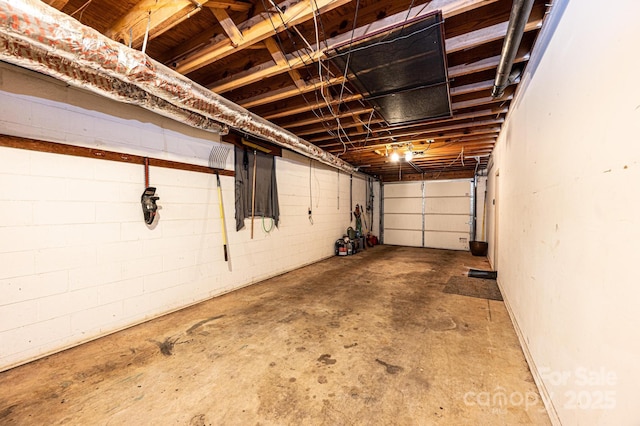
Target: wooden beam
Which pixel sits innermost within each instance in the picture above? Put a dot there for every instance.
(472, 88)
(233, 5)
(281, 60)
(229, 27)
(484, 35)
(359, 126)
(320, 129)
(164, 15)
(314, 120)
(262, 71)
(287, 92)
(481, 65)
(291, 12)
(311, 106)
(479, 102)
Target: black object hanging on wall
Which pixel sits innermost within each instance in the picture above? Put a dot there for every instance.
(148, 198)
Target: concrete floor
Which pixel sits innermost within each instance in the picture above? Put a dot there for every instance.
(365, 339)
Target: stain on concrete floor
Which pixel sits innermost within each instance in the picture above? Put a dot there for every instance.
(365, 339)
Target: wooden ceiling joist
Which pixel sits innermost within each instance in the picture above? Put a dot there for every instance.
(229, 27)
(158, 15)
(290, 12)
(471, 103)
(287, 92)
(311, 106)
(481, 65)
(236, 6)
(320, 119)
(261, 72)
(281, 60)
(319, 129)
(484, 36)
(472, 88)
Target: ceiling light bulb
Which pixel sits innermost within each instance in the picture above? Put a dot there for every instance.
(394, 156)
(408, 155)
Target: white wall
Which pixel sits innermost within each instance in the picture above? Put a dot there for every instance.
(77, 260)
(568, 226)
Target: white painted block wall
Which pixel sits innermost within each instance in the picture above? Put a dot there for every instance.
(77, 260)
(565, 236)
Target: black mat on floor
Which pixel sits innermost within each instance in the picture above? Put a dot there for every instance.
(473, 287)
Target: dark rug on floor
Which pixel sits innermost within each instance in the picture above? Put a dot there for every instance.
(473, 287)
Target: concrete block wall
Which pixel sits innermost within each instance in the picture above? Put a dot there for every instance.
(76, 259)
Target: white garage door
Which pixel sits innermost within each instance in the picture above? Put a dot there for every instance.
(433, 214)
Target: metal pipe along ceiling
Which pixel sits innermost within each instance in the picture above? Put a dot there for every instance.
(36, 36)
(520, 12)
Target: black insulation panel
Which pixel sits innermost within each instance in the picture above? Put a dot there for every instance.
(402, 72)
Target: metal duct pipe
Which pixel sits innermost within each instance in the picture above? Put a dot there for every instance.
(520, 11)
(43, 39)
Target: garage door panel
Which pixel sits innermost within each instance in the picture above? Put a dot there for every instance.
(403, 205)
(411, 189)
(447, 223)
(439, 218)
(447, 240)
(403, 221)
(448, 205)
(447, 188)
(403, 237)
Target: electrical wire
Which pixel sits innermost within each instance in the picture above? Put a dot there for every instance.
(450, 164)
(408, 13)
(346, 66)
(270, 228)
(315, 25)
(81, 8)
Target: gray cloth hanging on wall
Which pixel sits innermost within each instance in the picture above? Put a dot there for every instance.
(266, 187)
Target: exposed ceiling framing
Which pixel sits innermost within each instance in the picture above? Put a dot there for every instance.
(269, 56)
